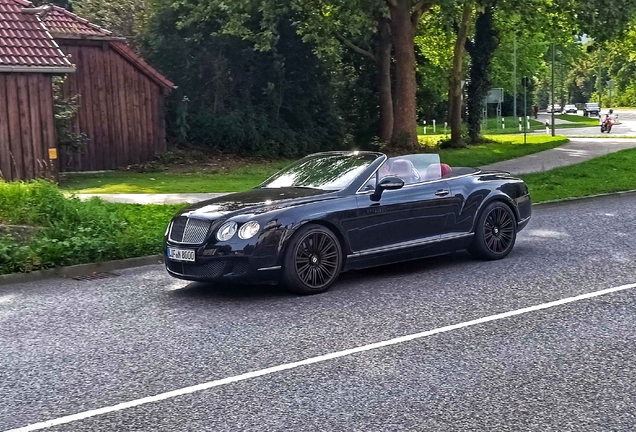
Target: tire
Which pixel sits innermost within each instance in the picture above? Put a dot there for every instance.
(495, 232)
(312, 261)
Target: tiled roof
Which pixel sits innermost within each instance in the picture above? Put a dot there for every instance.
(61, 22)
(25, 44)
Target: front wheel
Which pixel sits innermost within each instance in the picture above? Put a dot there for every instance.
(495, 232)
(313, 260)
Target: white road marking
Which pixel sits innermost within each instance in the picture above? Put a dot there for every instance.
(309, 361)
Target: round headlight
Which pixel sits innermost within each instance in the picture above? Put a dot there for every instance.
(227, 231)
(249, 230)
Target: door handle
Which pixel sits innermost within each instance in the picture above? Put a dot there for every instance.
(442, 192)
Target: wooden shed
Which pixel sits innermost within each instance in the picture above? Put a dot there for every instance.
(121, 96)
(29, 57)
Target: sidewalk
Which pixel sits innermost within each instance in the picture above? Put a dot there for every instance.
(153, 198)
(576, 151)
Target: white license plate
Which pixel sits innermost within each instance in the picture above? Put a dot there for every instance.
(181, 254)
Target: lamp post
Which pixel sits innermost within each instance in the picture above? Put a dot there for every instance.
(552, 110)
(524, 82)
(610, 87)
(514, 77)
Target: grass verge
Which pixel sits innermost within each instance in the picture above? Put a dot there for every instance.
(581, 121)
(66, 231)
(504, 147)
(119, 182)
(245, 177)
(489, 127)
(610, 173)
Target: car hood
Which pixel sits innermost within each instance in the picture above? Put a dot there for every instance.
(255, 201)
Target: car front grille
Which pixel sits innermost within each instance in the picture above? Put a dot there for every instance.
(211, 269)
(189, 230)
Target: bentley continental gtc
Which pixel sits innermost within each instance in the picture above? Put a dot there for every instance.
(338, 211)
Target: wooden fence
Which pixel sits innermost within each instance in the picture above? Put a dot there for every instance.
(27, 129)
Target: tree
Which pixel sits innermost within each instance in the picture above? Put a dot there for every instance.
(402, 18)
(456, 75)
(481, 49)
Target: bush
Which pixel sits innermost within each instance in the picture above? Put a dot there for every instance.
(71, 231)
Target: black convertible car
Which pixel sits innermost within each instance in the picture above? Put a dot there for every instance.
(336, 211)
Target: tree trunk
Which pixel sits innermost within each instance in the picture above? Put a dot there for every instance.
(405, 124)
(455, 81)
(383, 62)
(481, 51)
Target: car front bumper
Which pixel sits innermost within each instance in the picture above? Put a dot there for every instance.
(229, 269)
(239, 261)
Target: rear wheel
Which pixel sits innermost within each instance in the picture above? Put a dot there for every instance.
(495, 232)
(313, 260)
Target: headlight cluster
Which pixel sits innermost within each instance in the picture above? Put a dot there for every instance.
(228, 229)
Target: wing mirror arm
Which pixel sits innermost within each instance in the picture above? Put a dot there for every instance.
(386, 183)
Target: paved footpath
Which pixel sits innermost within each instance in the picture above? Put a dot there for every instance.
(576, 151)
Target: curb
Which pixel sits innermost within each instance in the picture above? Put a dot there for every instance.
(586, 198)
(79, 270)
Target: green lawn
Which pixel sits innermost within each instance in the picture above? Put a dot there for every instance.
(118, 182)
(490, 127)
(246, 177)
(610, 173)
(580, 120)
(506, 147)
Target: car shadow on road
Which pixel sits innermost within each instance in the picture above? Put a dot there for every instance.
(210, 291)
(404, 269)
(226, 291)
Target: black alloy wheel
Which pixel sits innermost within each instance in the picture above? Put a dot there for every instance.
(495, 232)
(313, 260)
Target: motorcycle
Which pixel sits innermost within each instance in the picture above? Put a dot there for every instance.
(607, 124)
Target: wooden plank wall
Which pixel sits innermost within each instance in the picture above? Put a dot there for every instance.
(121, 109)
(27, 129)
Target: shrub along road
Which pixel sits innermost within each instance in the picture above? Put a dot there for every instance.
(71, 346)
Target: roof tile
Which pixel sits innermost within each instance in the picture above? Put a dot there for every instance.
(25, 40)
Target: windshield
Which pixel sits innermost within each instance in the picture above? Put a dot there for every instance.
(324, 171)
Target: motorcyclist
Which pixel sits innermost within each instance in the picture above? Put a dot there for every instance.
(608, 121)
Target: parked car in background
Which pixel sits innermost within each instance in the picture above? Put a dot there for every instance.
(570, 109)
(591, 110)
(555, 107)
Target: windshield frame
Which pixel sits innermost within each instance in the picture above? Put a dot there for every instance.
(366, 172)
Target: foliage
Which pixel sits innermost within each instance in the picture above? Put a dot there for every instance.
(481, 50)
(65, 110)
(125, 18)
(70, 231)
(276, 102)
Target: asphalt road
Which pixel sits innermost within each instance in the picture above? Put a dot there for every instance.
(627, 126)
(68, 346)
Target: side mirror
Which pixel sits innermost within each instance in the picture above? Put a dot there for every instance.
(387, 183)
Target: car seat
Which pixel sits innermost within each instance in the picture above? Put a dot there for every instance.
(404, 169)
(436, 171)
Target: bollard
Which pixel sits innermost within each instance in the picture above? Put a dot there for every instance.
(503, 123)
(434, 127)
(520, 125)
(424, 127)
(445, 126)
(527, 122)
